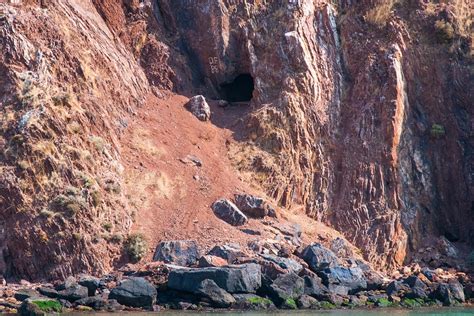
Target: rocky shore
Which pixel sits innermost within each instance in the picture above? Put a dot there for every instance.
(228, 277)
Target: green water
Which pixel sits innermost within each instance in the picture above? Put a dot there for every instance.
(462, 311)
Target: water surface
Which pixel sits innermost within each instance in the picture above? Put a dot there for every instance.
(461, 311)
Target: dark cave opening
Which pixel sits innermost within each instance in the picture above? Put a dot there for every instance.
(239, 90)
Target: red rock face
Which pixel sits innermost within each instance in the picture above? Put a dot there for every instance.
(361, 115)
(343, 112)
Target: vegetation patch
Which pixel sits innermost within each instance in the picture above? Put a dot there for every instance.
(49, 306)
(327, 305)
(383, 302)
(444, 31)
(136, 247)
(259, 301)
(410, 303)
(290, 303)
(380, 14)
(437, 130)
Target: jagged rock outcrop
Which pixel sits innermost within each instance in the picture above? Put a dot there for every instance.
(343, 119)
(68, 88)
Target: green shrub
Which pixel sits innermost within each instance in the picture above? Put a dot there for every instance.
(437, 130)
(136, 247)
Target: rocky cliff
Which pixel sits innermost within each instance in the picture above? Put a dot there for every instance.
(358, 115)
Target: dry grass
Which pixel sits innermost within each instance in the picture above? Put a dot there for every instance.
(141, 187)
(380, 14)
(444, 31)
(142, 140)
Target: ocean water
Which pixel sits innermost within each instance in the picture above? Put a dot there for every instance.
(462, 311)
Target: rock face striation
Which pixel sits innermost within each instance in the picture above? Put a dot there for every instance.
(359, 113)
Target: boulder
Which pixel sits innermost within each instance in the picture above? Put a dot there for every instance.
(95, 302)
(245, 278)
(285, 263)
(73, 293)
(179, 252)
(444, 295)
(90, 282)
(352, 278)
(286, 287)
(199, 107)
(211, 261)
(319, 257)
(24, 294)
(47, 291)
(219, 297)
(417, 288)
(314, 287)
(134, 292)
(338, 289)
(252, 206)
(307, 302)
(457, 290)
(397, 288)
(229, 252)
(229, 212)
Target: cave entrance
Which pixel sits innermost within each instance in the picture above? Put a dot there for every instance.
(239, 90)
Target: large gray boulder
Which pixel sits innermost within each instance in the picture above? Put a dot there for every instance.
(314, 287)
(134, 292)
(284, 263)
(179, 252)
(218, 296)
(73, 293)
(229, 252)
(319, 258)
(245, 278)
(229, 212)
(351, 278)
(199, 107)
(286, 287)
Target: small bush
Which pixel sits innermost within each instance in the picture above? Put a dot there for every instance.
(62, 99)
(96, 198)
(77, 236)
(437, 130)
(46, 213)
(23, 165)
(75, 127)
(99, 143)
(136, 247)
(444, 31)
(70, 204)
(107, 226)
(113, 187)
